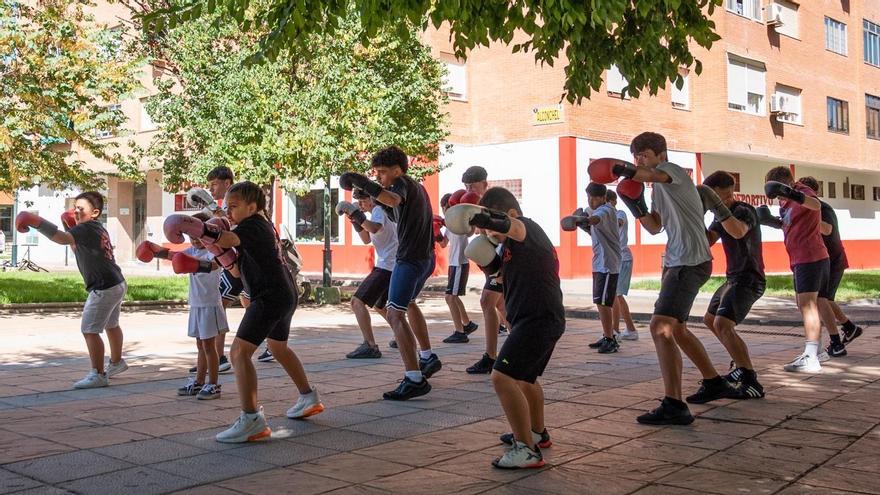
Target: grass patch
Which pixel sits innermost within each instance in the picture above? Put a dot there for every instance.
(855, 285)
(29, 287)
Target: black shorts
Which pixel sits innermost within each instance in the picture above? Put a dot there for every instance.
(493, 284)
(604, 288)
(678, 289)
(373, 291)
(458, 277)
(733, 300)
(266, 319)
(527, 350)
(230, 286)
(834, 278)
(812, 277)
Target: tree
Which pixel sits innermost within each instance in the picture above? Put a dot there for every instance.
(59, 73)
(648, 40)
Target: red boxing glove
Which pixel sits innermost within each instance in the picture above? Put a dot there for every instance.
(471, 198)
(184, 263)
(147, 250)
(437, 223)
(25, 220)
(632, 193)
(456, 197)
(68, 219)
(176, 225)
(607, 170)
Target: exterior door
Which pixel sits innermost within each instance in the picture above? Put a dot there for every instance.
(139, 221)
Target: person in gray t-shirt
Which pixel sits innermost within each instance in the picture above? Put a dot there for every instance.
(605, 236)
(677, 208)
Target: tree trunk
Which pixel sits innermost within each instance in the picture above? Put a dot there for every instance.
(327, 233)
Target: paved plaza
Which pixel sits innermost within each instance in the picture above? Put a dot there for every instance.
(812, 434)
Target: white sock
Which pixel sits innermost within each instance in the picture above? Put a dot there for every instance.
(425, 354)
(811, 349)
(414, 376)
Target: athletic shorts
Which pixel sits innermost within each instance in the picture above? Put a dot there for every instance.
(407, 280)
(373, 291)
(458, 277)
(266, 319)
(604, 288)
(230, 286)
(206, 322)
(102, 309)
(527, 350)
(812, 277)
(834, 278)
(493, 285)
(733, 300)
(623, 278)
(678, 289)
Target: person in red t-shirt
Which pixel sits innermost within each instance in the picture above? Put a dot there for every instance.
(801, 219)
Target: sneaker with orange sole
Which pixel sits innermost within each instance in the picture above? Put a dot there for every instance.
(249, 427)
(307, 405)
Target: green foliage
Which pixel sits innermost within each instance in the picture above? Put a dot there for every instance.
(29, 287)
(58, 72)
(648, 40)
(294, 117)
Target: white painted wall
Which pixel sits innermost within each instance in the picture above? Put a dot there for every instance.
(49, 205)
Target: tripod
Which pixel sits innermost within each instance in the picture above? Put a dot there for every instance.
(24, 264)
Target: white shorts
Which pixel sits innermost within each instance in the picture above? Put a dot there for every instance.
(623, 278)
(206, 322)
(102, 308)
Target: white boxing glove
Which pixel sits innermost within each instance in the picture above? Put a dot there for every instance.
(482, 251)
(200, 198)
(345, 208)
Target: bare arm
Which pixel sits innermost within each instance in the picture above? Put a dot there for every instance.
(645, 174)
(712, 237)
(651, 222)
(517, 230)
(735, 227)
(444, 242)
(63, 238)
(371, 227)
(825, 228)
(365, 236)
(389, 198)
(228, 239)
(812, 203)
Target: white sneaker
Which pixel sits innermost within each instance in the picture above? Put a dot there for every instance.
(627, 335)
(823, 357)
(93, 380)
(520, 456)
(114, 369)
(249, 427)
(803, 364)
(307, 405)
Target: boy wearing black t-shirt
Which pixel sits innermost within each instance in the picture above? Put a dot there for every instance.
(103, 278)
(408, 205)
(533, 298)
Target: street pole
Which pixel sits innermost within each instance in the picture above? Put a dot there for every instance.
(327, 233)
(14, 230)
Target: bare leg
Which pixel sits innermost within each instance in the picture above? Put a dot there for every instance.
(605, 313)
(291, 364)
(95, 345)
(725, 330)
(838, 313)
(362, 315)
(515, 405)
(245, 374)
(809, 305)
(201, 362)
(622, 308)
(465, 318)
(403, 334)
(220, 344)
(668, 355)
(488, 302)
(534, 395)
(455, 313)
(114, 338)
(826, 314)
(502, 310)
(212, 360)
(419, 326)
(693, 348)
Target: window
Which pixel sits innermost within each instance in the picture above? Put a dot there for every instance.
(310, 216)
(512, 185)
(832, 190)
(858, 192)
(835, 36)
(455, 81)
(6, 220)
(147, 123)
(736, 183)
(181, 204)
(821, 192)
(104, 133)
(789, 104)
(838, 115)
(681, 98)
(872, 116)
(615, 82)
(788, 14)
(846, 188)
(746, 8)
(745, 85)
(876, 193)
(872, 43)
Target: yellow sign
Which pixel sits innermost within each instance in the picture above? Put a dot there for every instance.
(548, 115)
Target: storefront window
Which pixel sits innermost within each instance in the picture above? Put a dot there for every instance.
(310, 216)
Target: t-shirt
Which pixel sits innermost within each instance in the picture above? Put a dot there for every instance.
(745, 259)
(414, 217)
(204, 288)
(263, 272)
(456, 246)
(832, 241)
(530, 270)
(385, 241)
(94, 256)
(606, 240)
(681, 213)
(623, 222)
(800, 228)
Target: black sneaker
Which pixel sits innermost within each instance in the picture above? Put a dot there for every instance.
(850, 336)
(836, 350)
(667, 414)
(430, 366)
(457, 338)
(483, 366)
(470, 328)
(596, 344)
(266, 356)
(365, 351)
(608, 345)
(392, 344)
(193, 369)
(502, 330)
(542, 440)
(734, 375)
(749, 388)
(224, 365)
(713, 389)
(408, 389)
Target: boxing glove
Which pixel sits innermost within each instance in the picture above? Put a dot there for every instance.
(713, 203)
(176, 225)
(225, 257)
(437, 223)
(585, 226)
(26, 220)
(68, 219)
(456, 197)
(147, 251)
(482, 251)
(471, 198)
(607, 170)
(184, 263)
(351, 180)
(572, 222)
(775, 189)
(461, 217)
(632, 193)
(200, 198)
(766, 217)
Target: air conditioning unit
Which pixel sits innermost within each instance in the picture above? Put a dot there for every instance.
(773, 14)
(779, 104)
